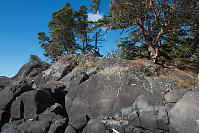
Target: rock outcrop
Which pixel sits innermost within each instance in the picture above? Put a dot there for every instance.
(77, 94)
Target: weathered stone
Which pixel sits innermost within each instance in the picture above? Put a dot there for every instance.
(34, 127)
(175, 95)
(91, 71)
(129, 129)
(30, 69)
(57, 109)
(163, 119)
(57, 89)
(11, 127)
(78, 108)
(70, 129)
(45, 122)
(2, 118)
(148, 118)
(117, 125)
(133, 119)
(61, 68)
(101, 94)
(58, 126)
(31, 103)
(137, 130)
(95, 126)
(4, 81)
(6, 96)
(184, 116)
(115, 94)
(74, 78)
(79, 122)
(143, 102)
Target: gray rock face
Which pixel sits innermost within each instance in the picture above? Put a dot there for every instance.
(76, 77)
(8, 94)
(46, 123)
(184, 116)
(134, 119)
(148, 118)
(2, 115)
(63, 67)
(31, 103)
(163, 118)
(103, 95)
(76, 95)
(70, 129)
(95, 126)
(58, 71)
(4, 81)
(49, 121)
(31, 69)
(175, 95)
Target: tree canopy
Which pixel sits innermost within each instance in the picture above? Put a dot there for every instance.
(155, 28)
(156, 23)
(68, 32)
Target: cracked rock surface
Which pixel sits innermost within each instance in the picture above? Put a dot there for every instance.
(77, 95)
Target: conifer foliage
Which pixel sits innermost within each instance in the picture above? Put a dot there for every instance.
(68, 33)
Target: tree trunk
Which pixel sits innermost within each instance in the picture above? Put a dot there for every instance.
(193, 46)
(153, 51)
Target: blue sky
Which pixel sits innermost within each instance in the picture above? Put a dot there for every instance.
(21, 20)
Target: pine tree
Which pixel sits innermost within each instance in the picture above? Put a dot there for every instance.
(95, 5)
(82, 29)
(52, 50)
(34, 58)
(62, 29)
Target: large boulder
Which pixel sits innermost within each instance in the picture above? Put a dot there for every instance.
(70, 129)
(95, 126)
(31, 69)
(57, 89)
(50, 121)
(74, 78)
(62, 67)
(31, 103)
(184, 116)
(4, 81)
(103, 95)
(8, 94)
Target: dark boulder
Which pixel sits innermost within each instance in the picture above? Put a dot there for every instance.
(2, 118)
(57, 122)
(4, 81)
(184, 116)
(60, 68)
(46, 122)
(79, 123)
(57, 89)
(70, 129)
(31, 103)
(95, 126)
(34, 126)
(8, 94)
(74, 78)
(104, 94)
(31, 69)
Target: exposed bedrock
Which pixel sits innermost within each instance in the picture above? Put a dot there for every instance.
(79, 95)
